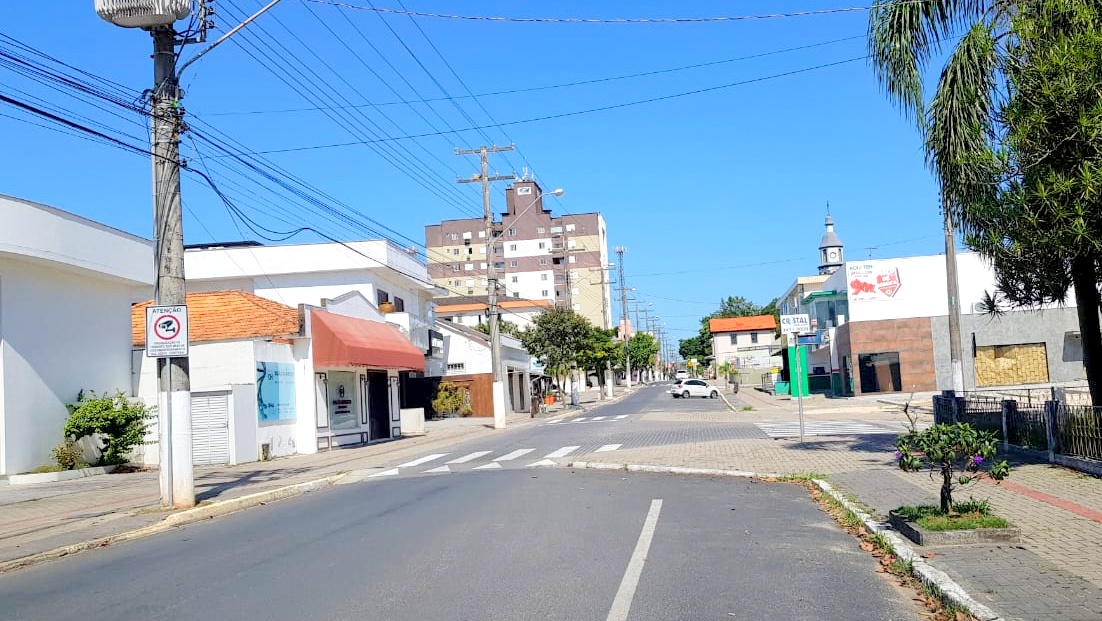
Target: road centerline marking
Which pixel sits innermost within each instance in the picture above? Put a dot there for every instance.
(621, 604)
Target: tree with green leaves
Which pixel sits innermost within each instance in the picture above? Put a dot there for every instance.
(601, 352)
(1013, 134)
(557, 337)
(642, 350)
(700, 346)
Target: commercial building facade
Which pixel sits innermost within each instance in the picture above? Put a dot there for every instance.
(537, 255)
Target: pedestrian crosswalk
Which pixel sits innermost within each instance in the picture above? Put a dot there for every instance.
(825, 428)
(588, 419)
(487, 460)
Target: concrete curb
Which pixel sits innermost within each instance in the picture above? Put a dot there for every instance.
(64, 475)
(181, 518)
(589, 465)
(925, 572)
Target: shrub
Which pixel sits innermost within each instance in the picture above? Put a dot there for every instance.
(67, 455)
(451, 399)
(122, 422)
(957, 448)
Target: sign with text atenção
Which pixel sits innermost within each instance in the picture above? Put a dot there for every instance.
(166, 331)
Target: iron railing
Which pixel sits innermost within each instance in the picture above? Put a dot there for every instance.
(1077, 431)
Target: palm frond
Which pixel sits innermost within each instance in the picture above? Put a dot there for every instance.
(903, 37)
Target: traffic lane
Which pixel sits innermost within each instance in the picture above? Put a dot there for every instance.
(759, 551)
(481, 546)
(553, 544)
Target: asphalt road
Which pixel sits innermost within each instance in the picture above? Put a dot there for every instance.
(514, 543)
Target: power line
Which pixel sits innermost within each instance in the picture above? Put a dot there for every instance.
(576, 112)
(585, 20)
(545, 87)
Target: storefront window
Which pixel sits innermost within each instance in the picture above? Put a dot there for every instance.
(342, 400)
(880, 372)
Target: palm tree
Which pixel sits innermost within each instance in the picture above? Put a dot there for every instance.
(969, 127)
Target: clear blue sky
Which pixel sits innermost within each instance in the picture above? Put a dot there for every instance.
(714, 194)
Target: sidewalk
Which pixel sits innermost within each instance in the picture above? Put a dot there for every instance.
(1053, 574)
(41, 517)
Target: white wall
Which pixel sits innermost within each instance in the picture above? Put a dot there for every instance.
(298, 436)
(527, 248)
(921, 291)
(530, 285)
(60, 332)
(459, 348)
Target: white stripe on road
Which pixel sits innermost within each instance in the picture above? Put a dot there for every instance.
(466, 458)
(608, 447)
(541, 463)
(552, 422)
(599, 417)
(385, 473)
(621, 604)
(563, 452)
(440, 469)
(425, 459)
(491, 465)
(514, 454)
(621, 417)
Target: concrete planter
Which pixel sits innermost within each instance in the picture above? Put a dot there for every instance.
(924, 537)
(64, 475)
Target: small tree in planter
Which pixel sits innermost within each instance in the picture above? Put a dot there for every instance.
(451, 399)
(959, 451)
(123, 423)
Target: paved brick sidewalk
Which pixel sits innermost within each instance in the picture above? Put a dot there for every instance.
(36, 518)
(1054, 574)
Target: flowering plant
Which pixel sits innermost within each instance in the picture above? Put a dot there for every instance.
(957, 449)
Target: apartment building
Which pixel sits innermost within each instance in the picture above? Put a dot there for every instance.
(537, 255)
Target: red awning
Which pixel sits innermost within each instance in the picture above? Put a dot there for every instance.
(341, 341)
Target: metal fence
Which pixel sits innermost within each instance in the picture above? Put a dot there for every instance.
(1024, 421)
(1077, 431)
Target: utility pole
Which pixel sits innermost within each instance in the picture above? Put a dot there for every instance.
(491, 275)
(620, 250)
(955, 354)
(176, 472)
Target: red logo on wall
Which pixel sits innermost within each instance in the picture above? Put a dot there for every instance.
(888, 282)
(868, 284)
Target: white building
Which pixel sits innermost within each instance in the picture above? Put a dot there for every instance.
(66, 285)
(519, 312)
(390, 278)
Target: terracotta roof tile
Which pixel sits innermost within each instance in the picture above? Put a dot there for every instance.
(226, 316)
(742, 324)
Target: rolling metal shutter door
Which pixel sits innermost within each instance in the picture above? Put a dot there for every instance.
(210, 428)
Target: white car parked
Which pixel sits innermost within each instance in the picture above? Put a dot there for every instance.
(694, 388)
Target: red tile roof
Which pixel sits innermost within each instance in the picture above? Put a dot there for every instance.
(742, 324)
(226, 316)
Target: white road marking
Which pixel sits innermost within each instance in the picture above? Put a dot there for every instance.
(608, 447)
(552, 422)
(822, 428)
(440, 469)
(489, 466)
(384, 473)
(425, 459)
(621, 417)
(514, 454)
(466, 458)
(541, 463)
(563, 452)
(582, 419)
(621, 604)
(599, 417)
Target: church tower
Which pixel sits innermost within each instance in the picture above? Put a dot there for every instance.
(830, 249)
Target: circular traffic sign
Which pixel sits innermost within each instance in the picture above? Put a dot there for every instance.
(167, 327)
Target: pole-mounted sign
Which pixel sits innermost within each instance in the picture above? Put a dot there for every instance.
(795, 323)
(166, 331)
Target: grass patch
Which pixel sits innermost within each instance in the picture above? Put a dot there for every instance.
(965, 516)
(47, 468)
(747, 408)
(800, 477)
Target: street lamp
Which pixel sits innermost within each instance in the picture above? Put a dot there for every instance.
(496, 362)
(177, 478)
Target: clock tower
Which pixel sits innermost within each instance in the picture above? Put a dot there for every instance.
(830, 249)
